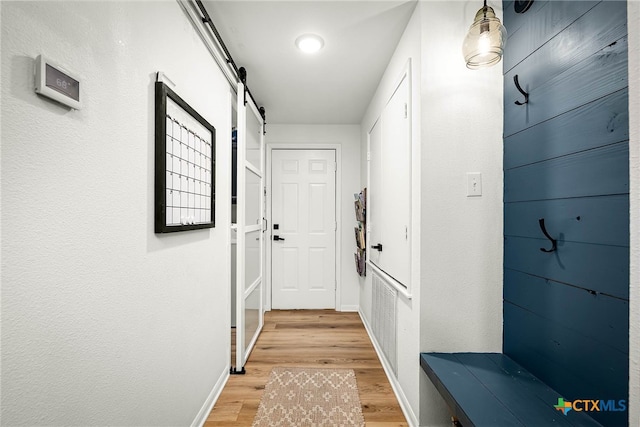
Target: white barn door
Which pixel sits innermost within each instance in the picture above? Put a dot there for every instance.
(250, 246)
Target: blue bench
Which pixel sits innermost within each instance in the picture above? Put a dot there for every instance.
(491, 390)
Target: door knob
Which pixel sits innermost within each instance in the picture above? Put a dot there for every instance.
(378, 247)
(276, 237)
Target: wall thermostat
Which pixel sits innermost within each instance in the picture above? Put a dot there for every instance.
(57, 83)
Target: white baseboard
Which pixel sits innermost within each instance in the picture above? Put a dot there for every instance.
(354, 308)
(201, 418)
(412, 420)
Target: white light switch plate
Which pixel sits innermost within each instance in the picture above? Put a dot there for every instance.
(474, 184)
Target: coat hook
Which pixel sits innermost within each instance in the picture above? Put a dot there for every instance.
(521, 6)
(526, 95)
(554, 242)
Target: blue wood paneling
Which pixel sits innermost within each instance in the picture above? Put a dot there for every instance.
(538, 25)
(605, 23)
(566, 156)
(598, 223)
(569, 362)
(601, 318)
(598, 268)
(596, 172)
(596, 124)
(598, 75)
(514, 22)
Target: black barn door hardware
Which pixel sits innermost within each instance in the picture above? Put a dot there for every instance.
(554, 242)
(263, 113)
(378, 247)
(242, 75)
(526, 95)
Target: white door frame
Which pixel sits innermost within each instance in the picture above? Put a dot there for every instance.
(305, 146)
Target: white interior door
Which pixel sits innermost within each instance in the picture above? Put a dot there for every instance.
(250, 239)
(375, 187)
(389, 204)
(303, 229)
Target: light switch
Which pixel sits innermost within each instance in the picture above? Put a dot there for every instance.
(474, 184)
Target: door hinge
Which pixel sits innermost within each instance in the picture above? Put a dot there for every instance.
(335, 226)
(368, 155)
(406, 110)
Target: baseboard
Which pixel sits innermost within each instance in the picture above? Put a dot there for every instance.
(412, 420)
(353, 308)
(201, 418)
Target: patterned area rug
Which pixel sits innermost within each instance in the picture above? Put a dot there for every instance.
(310, 397)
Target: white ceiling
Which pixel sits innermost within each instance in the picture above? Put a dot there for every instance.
(332, 87)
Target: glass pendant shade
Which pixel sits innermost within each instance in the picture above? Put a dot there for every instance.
(484, 44)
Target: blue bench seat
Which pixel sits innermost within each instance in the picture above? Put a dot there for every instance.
(491, 390)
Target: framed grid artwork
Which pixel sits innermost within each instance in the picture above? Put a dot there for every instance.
(184, 165)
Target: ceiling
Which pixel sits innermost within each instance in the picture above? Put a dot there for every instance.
(333, 86)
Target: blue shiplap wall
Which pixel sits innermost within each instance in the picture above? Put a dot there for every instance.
(566, 159)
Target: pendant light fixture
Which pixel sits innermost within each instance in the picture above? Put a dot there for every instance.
(485, 40)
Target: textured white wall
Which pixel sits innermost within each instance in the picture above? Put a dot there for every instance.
(103, 321)
(462, 118)
(634, 154)
(462, 236)
(348, 136)
(408, 309)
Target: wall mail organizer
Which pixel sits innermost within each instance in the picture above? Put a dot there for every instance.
(361, 215)
(184, 165)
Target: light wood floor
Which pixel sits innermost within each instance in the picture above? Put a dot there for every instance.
(312, 338)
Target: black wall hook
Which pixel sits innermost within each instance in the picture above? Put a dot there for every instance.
(521, 6)
(554, 242)
(526, 95)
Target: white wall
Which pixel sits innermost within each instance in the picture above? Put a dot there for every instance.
(348, 137)
(1, 198)
(634, 154)
(456, 288)
(105, 322)
(408, 309)
(462, 117)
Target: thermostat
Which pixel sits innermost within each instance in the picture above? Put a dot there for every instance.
(57, 83)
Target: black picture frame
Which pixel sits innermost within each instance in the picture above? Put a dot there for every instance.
(189, 163)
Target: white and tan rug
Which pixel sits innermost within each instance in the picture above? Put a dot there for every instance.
(310, 397)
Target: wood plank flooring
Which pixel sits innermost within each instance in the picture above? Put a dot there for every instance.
(311, 338)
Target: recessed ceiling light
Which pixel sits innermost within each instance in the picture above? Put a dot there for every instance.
(309, 43)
